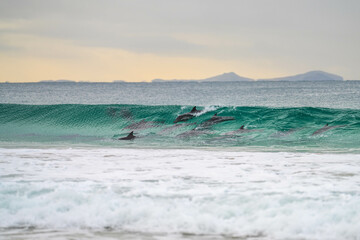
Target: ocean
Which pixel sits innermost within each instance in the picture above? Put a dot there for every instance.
(258, 160)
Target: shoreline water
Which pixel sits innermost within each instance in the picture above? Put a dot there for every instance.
(245, 149)
(107, 234)
(168, 192)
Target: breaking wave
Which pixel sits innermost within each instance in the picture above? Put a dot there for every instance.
(266, 128)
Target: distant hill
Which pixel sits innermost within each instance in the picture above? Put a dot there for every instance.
(309, 76)
(233, 77)
(225, 77)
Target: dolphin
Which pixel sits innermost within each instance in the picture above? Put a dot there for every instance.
(128, 137)
(192, 133)
(142, 125)
(214, 120)
(240, 130)
(124, 113)
(175, 126)
(111, 111)
(326, 128)
(187, 116)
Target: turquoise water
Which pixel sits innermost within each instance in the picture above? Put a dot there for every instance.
(280, 115)
(265, 128)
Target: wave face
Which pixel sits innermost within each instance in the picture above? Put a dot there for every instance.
(265, 128)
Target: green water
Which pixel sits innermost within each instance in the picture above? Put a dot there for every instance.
(267, 128)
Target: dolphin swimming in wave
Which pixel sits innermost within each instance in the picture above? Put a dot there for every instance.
(128, 137)
(326, 128)
(115, 112)
(214, 120)
(286, 133)
(174, 127)
(142, 125)
(192, 133)
(187, 116)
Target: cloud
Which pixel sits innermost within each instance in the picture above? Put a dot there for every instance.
(50, 58)
(281, 34)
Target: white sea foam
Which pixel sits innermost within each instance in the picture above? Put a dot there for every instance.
(207, 108)
(268, 195)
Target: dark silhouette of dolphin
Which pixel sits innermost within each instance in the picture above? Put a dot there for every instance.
(187, 116)
(286, 133)
(128, 137)
(215, 119)
(326, 128)
(124, 112)
(192, 133)
(142, 125)
(174, 127)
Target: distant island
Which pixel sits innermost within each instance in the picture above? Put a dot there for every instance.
(309, 76)
(225, 77)
(233, 77)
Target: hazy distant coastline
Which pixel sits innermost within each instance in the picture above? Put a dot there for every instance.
(229, 77)
(225, 77)
(308, 76)
(233, 77)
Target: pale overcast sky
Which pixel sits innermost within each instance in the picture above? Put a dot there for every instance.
(139, 40)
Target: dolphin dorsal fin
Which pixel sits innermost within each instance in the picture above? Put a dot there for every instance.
(326, 125)
(215, 115)
(193, 110)
(242, 127)
(131, 134)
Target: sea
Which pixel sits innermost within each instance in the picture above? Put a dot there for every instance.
(258, 160)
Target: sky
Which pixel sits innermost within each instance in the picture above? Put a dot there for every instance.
(140, 40)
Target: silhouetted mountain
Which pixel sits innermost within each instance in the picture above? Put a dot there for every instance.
(225, 77)
(309, 76)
